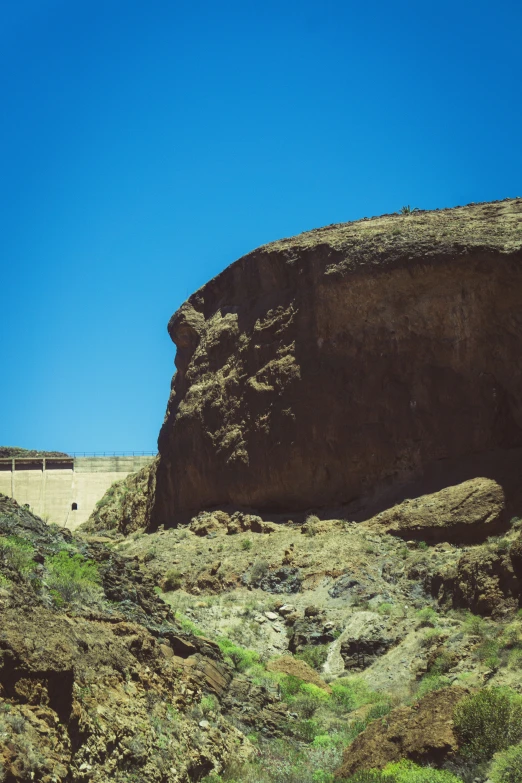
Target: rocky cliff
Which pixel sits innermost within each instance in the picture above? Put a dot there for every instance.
(344, 363)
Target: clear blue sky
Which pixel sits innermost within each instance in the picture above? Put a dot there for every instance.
(146, 145)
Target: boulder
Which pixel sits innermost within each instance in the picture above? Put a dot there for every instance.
(422, 733)
(467, 512)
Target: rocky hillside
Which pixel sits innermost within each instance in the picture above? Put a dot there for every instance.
(206, 627)
(396, 640)
(362, 362)
(98, 680)
(126, 506)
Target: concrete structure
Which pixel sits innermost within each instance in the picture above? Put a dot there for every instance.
(64, 489)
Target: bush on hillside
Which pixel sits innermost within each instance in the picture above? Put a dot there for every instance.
(259, 571)
(17, 553)
(172, 580)
(407, 772)
(507, 766)
(403, 772)
(314, 655)
(71, 578)
(350, 693)
(487, 722)
(240, 658)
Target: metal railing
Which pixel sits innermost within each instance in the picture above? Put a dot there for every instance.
(112, 453)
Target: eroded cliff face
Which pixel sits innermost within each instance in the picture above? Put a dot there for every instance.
(346, 361)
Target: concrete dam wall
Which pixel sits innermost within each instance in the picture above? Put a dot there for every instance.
(64, 490)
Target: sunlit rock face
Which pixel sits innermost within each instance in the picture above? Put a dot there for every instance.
(341, 364)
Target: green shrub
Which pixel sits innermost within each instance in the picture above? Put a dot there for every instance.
(488, 651)
(259, 571)
(488, 721)
(507, 766)
(431, 636)
(475, 625)
(208, 704)
(407, 772)
(71, 578)
(511, 635)
(404, 772)
(246, 544)
(427, 617)
(515, 659)
(385, 608)
(188, 625)
(310, 526)
(314, 655)
(370, 776)
(290, 686)
(442, 663)
(173, 580)
(17, 553)
(306, 730)
(239, 657)
(429, 683)
(377, 711)
(308, 699)
(350, 693)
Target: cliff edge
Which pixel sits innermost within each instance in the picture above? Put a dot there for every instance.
(336, 366)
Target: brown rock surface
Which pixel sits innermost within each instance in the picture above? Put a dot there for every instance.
(126, 505)
(485, 581)
(287, 664)
(472, 510)
(101, 684)
(422, 733)
(345, 362)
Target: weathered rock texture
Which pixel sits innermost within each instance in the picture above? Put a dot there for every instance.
(422, 733)
(350, 359)
(469, 511)
(126, 505)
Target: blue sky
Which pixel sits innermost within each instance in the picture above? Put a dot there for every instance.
(147, 145)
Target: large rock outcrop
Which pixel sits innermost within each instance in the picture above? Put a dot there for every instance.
(422, 733)
(346, 361)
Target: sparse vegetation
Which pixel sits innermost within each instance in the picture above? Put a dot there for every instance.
(258, 572)
(314, 655)
(71, 578)
(173, 580)
(17, 553)
(427, 617)
(310, 526)
(240, 658)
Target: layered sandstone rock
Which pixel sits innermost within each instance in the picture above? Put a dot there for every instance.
(345, 361)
